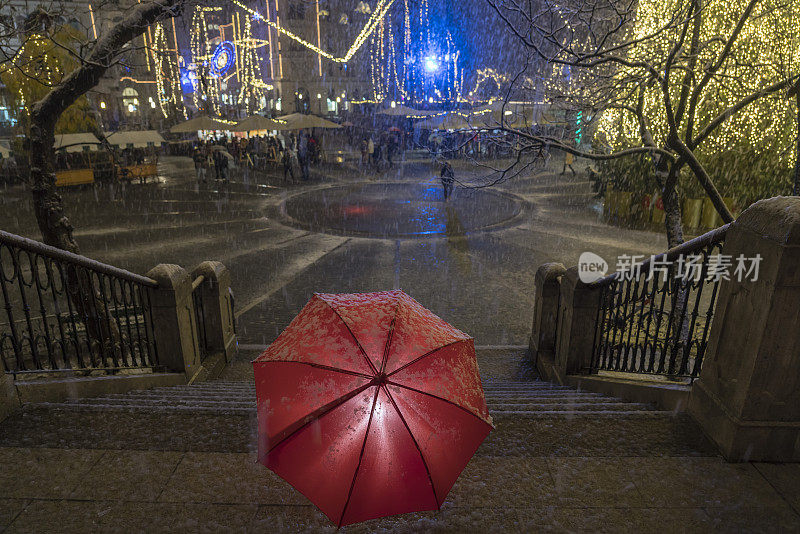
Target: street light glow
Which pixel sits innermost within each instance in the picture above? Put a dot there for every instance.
(431, 65)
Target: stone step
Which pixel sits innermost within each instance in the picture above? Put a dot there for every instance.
(250, 410)
(613, 413)
(529, 398)
(610, 406)
(160, 392)
(142, 402)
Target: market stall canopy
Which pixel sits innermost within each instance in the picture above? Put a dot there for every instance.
(447, 121)
(486, 119)
(257, 122)
(405, 111)
(200, 123)
(514, 115)
(77, 142)
(300, 121)
(136, 139)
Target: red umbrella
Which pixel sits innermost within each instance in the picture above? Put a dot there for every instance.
(370, 405)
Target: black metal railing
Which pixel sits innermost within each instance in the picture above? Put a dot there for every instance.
(656, 319)
(200, 316)
(66, 312)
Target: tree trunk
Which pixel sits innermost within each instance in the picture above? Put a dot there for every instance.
(672, 216)
(686, 154)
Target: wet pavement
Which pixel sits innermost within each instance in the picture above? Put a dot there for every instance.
(471, 259)
(390, 210)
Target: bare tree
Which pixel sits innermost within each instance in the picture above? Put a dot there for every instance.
(48, 206)
(667, 77)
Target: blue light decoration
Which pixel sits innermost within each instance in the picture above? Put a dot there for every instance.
(579, 128)
(414, 58)
(188, 80)
(431, 64)
(223, 59)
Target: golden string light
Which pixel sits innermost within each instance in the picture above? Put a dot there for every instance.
(767, 48)
(379, 12)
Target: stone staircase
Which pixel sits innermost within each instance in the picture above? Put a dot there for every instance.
(529, 398)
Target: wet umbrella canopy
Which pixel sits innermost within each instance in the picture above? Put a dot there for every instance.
(370, 405)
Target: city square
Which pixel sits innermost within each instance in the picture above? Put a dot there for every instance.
(184, 189)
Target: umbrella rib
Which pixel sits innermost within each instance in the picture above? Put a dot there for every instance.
(389, 339)
(316, 414)
(360, 456)
(319, 366)
(363, 352)
(415, 360)
(422, 456)
(439, 398)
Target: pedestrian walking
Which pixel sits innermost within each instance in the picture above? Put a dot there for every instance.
(448, 178)
(371, 149)
(215, 158)
(288, 168)
(199, 164)
(364, 159)
(303, 154)
(568, 160)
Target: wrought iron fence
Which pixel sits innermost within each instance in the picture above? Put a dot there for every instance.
(200, 316)
(65, 312)
(657, 321)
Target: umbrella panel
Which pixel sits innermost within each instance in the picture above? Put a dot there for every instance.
(368, 318)
(385, 451)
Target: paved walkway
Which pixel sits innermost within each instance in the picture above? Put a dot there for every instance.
(55, 490)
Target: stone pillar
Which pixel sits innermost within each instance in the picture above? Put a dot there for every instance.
(9, 401)
(174, 324)
(748, 396)
(217, 307)
(546, 289)
(577, 315)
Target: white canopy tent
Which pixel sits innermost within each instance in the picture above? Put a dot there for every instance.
(78, 142)
(405, 111)
(201, 123)
(300, 121)
(135, 139)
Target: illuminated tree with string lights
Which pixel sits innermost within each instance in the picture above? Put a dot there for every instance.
(682, 83)
(39, 64)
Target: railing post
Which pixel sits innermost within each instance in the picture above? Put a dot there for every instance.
(546, 289)
(218, 307)
(577, 315)
(748, 396)
(174, 324)
(9, 401)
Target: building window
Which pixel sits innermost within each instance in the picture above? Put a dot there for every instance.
(130, 100)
